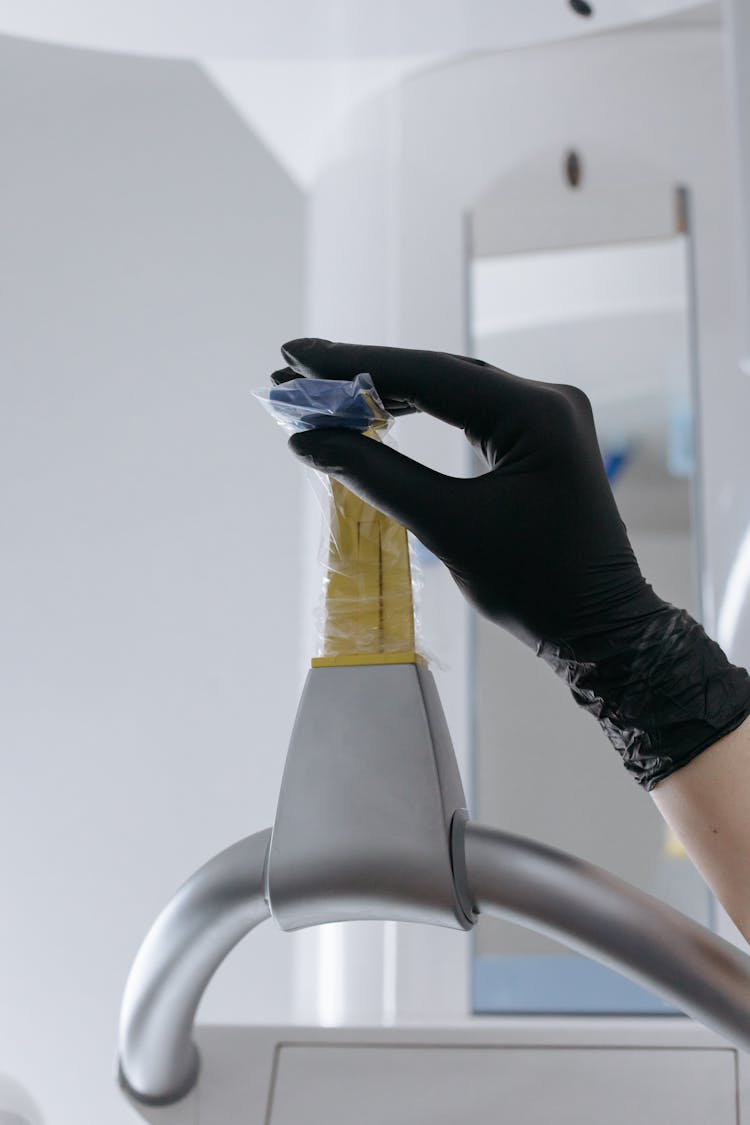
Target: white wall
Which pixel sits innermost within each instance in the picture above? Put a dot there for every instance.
(150, 264)
(388, 265)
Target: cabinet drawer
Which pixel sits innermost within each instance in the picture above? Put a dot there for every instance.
(436, 1085)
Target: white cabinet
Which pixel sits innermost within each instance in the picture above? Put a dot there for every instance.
(487, 1085)
(520, 1071)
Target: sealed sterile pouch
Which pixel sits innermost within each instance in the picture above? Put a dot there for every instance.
(367, 613)
(310, 404)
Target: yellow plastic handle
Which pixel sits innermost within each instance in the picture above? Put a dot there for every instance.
(369, 607)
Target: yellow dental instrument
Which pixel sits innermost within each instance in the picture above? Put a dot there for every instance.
(369, 608)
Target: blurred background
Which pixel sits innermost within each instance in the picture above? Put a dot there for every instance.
(558, 188)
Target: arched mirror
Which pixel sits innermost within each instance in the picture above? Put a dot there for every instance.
(591, 285)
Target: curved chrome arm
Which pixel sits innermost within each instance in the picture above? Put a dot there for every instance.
(370, 824)
(608, 919)
(576, 902)
(209, 914)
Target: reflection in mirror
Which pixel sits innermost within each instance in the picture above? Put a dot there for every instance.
(612, 319)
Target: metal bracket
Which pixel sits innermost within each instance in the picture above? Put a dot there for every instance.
(363, 824)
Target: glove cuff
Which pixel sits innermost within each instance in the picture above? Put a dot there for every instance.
(660, 687)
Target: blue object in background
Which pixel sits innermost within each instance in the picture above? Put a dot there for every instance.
(558, 984)
(680, 452)
(616, 459)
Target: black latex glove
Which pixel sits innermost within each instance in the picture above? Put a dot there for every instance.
(536, 543)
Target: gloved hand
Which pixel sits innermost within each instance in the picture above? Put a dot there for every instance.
(536, 543)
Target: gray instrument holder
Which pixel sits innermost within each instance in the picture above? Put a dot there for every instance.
(370, 805)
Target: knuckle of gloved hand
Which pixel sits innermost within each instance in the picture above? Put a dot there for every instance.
(565, 420)
(577, 397)
(555, 419)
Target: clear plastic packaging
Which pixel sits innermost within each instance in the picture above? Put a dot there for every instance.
(367, 613)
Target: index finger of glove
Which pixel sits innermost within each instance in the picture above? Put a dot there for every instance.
(461, 391)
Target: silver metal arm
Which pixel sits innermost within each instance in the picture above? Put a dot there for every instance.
(208, 915)
(598, 914)
(370, 824)
(576, 902)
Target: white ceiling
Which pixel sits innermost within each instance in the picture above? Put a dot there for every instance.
(295, 107)
(294, 69)
(703, 15)
(316, 29)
